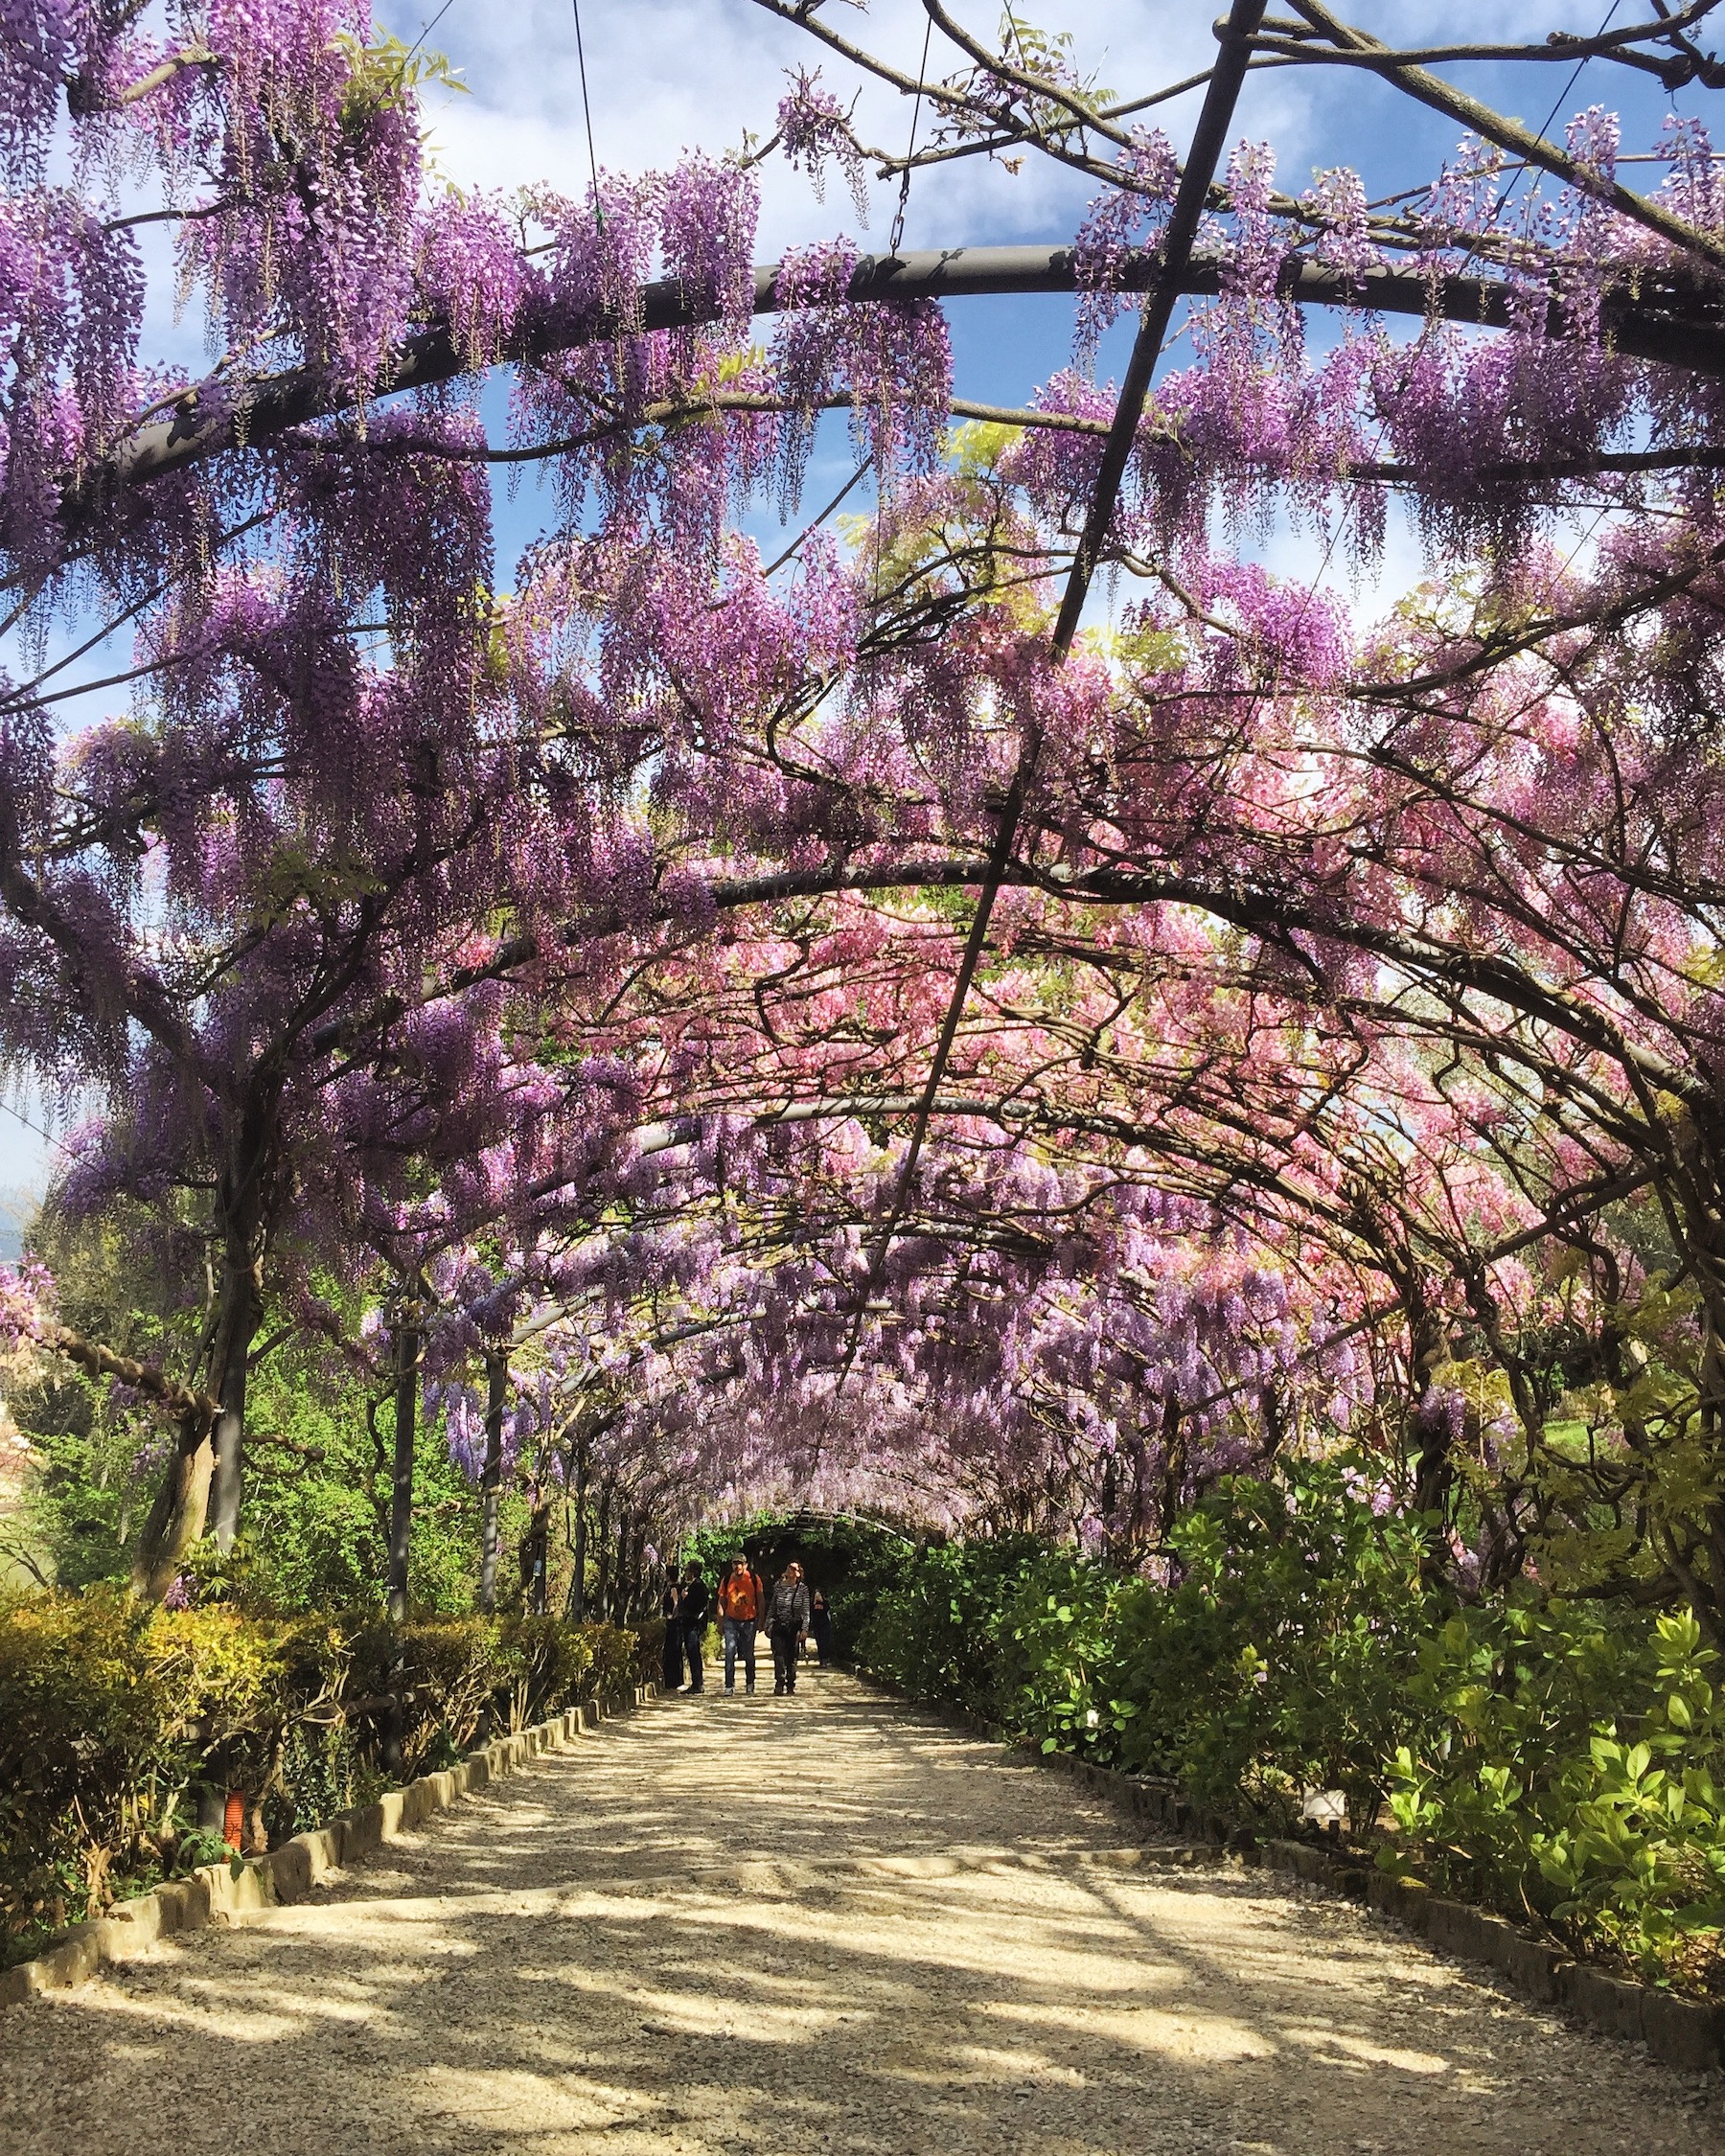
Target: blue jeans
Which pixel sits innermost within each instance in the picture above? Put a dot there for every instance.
(739, 1638)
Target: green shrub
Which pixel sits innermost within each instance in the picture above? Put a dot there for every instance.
(936, 1629)
(1573, 1766)
(1560, 1760)
(1057, 1654)
(115, 1718)
(1282, 1661)
(1279, 1660)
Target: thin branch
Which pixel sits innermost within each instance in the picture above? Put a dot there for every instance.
(1357, 48)
(176, 63)
(671, 412)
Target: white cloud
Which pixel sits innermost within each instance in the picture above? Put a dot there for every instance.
(665, 75)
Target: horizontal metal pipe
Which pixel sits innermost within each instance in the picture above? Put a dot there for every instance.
(1644, 320)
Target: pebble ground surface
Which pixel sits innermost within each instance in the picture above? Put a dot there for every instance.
(827, 1923)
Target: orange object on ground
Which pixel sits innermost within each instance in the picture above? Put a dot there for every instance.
(740, 1598)
(233, 1818)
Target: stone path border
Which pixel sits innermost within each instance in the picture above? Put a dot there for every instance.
(215, 1893)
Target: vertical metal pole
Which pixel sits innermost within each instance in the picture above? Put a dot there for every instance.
(1201, 160)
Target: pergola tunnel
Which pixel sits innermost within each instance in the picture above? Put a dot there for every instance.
(954, 939)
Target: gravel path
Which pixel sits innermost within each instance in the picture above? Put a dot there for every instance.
(826, 1924)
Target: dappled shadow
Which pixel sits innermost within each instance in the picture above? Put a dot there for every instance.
(824, 1923)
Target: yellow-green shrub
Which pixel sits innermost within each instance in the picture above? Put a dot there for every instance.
(114, 1716)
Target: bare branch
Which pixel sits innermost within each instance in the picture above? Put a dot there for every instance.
(1357, 48)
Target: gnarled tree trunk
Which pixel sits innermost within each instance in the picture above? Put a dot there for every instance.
(228, 1438)
(176, 1518)
(578, 1552)
(533, 1556)
(244, 1200)
(407, 1429)
(602, 1586)
(491, 1481)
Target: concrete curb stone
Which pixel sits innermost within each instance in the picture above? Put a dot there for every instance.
(1608, 2001)
(1684, 2032)
(216, 1894)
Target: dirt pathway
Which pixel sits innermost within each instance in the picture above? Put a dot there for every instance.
(811, 1925)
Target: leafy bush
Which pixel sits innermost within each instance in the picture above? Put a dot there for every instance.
(1563, 1761)
(936, 1630)
(1056, 1656)
(1572, 1767)
(117, 1718)
(1281, 1659)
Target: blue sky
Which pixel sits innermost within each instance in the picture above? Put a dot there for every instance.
(666, 75)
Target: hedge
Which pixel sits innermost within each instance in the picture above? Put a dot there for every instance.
(123, 1729)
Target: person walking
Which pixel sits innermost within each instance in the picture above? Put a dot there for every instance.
(671, 1660)
(787, 1627)
(820, 1623)
(693, 1610)
(742, 1604)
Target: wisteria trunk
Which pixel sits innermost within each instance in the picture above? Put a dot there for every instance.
(401, 1500)
(578, 1584)
(234, 1338)
(491, 1481)
(535, 1557)
(1432, 1439)
(1697, 1559)
(624, 1599)
(602, 1586)
(175, 1519)
(244, 1196)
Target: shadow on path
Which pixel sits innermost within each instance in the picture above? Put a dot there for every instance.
(809, 1924)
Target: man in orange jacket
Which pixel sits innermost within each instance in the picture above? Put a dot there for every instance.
(742, 1600)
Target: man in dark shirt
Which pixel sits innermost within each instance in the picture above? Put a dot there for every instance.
(696, 1602)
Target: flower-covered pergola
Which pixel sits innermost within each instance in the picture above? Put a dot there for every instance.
(1008, 1010)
